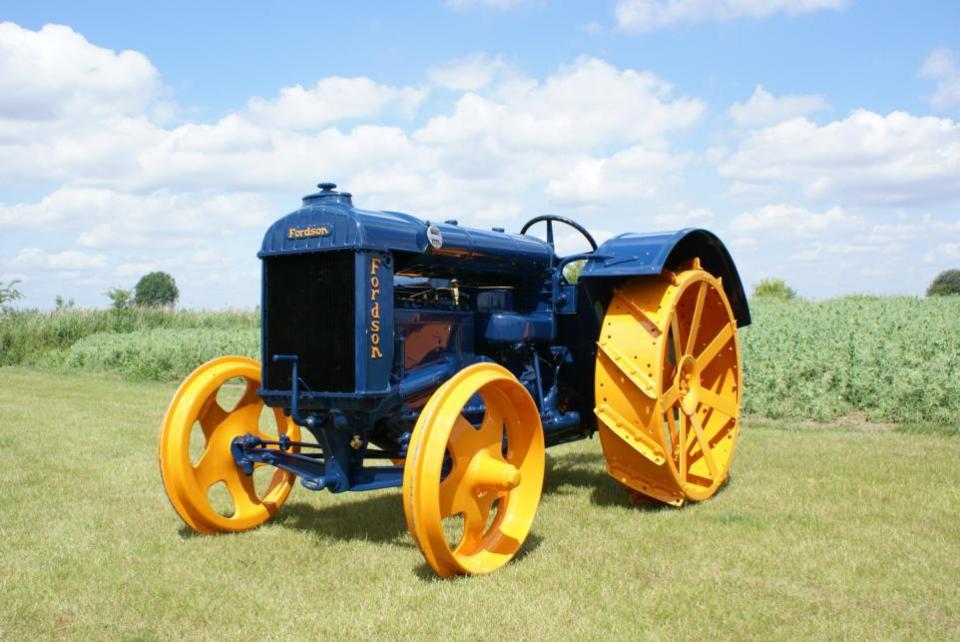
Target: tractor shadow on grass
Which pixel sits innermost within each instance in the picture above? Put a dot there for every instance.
(380, 518)
(572, 472)
(376, 519)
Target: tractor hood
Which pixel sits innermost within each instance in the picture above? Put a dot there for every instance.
(328, 220)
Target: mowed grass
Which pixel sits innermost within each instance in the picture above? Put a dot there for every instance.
(821, 533)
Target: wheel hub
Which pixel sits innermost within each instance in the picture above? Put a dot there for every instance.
(688, 383)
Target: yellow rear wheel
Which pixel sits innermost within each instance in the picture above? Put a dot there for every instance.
(187, 482)
(668, 385)
(470, 492)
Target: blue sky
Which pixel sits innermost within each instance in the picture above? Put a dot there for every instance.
(819, 138)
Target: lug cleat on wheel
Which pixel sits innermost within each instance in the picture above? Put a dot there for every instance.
(187, 483)
(489, 476)
(668, 385)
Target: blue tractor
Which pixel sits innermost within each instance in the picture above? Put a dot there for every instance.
(444, 359)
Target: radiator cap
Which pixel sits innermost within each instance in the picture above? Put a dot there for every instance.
(328, 193)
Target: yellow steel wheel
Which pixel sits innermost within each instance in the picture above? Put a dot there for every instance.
(668, 385)
(188, 483)
(454, 469)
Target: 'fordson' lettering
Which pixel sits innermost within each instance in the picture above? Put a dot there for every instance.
(307, 232)
(375, 310)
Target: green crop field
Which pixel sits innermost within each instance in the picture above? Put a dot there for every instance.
(889, 359)
(822, 532)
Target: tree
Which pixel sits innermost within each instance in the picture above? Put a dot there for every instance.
(946, 283)
(9, 292)
(63, 304)
(156, 289)
(775, 289)
(122, 299)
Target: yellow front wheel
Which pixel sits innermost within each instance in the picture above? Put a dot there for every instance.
(470, 492)
(188, 480)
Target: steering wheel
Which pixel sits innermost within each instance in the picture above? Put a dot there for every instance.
(550, 218)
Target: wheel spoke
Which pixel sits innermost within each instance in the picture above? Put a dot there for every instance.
(243, 420)
(243, 492)
(675, 334)
(463, 437)
(453, 489)
(679, 444)
(719, 402)
(249, 395)
(672, 427)
(208, 470)
(491, 429)
(475, 516)
(670, 398)
(211, 417)
(713, 348)
(697, 315)
(704, 446)
(279, 477)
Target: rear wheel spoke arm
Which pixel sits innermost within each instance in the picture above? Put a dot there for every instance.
(678, 350)
(716, 345)
(697, 316)
(704, 445)
(724, 404)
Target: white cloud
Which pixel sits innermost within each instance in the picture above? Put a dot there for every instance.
(502, 212)
(943, 67)
(569, 241)
(136, 269)
(841, 253)
(866, 158)
(103, 218)
(466, 74)
(681, 215)
(788, 221)
(32, 257)
(333, 99)
(632, 173)
(587, 105)
(134, 193)
(640, 16)
(763, 108)
(55, 73)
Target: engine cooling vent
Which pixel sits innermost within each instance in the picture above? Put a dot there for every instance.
(309, 311)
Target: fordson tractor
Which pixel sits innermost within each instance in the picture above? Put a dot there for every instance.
(444, 359)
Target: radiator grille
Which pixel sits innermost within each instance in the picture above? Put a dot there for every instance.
(309, 311)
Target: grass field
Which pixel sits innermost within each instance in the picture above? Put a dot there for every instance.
(824, 533)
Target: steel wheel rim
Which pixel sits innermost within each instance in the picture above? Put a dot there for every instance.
(187, 484)
(669, 385)
(480, 473)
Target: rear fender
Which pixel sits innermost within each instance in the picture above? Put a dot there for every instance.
(631, 255)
